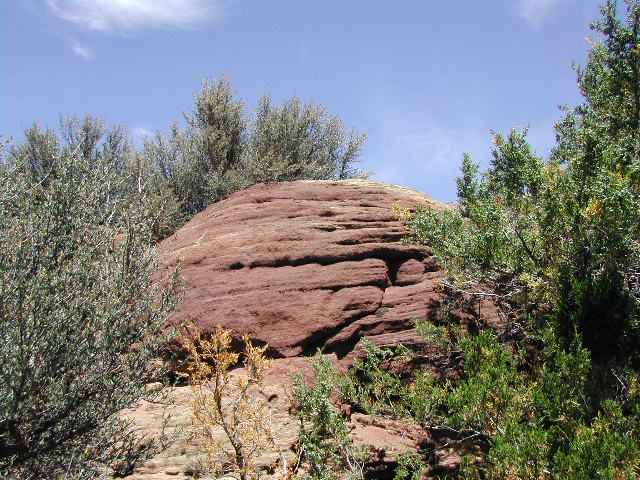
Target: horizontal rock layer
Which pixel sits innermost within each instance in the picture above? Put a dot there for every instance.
(305, 265)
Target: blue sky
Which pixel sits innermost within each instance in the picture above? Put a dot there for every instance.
(427, 79)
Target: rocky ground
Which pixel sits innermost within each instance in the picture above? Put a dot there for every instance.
(301, 266)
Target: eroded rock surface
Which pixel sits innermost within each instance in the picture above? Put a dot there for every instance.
(306, 265)
(303, 266)
(171, 418)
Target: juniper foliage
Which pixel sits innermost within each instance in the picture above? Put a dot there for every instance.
(555, 242)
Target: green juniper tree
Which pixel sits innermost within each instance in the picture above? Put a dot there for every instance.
(561, 236)
(556, 242)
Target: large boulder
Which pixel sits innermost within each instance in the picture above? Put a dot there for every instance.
(306, 265)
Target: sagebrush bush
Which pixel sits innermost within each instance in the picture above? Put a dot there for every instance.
(80, 313)
(296, 141)
(222, 148)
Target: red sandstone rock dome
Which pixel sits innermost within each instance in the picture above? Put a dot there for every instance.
(301, 266)
(306, 264)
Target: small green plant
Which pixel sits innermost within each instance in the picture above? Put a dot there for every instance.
(324, 442)
(410, 467)
(370, 386)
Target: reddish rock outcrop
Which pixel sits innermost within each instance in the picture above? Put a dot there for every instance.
(304, 265)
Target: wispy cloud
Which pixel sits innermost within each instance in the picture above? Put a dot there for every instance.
(83, 52)
(140, 132)
(426, 154)
(414, 143)
(535, 11)
(127, 16)
(305, 57)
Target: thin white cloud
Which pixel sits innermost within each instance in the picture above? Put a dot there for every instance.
(83, 52)
(429, 154)
(141, 132)
(535, 11)
(412, 147)
(127, 16)
(305, 57)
